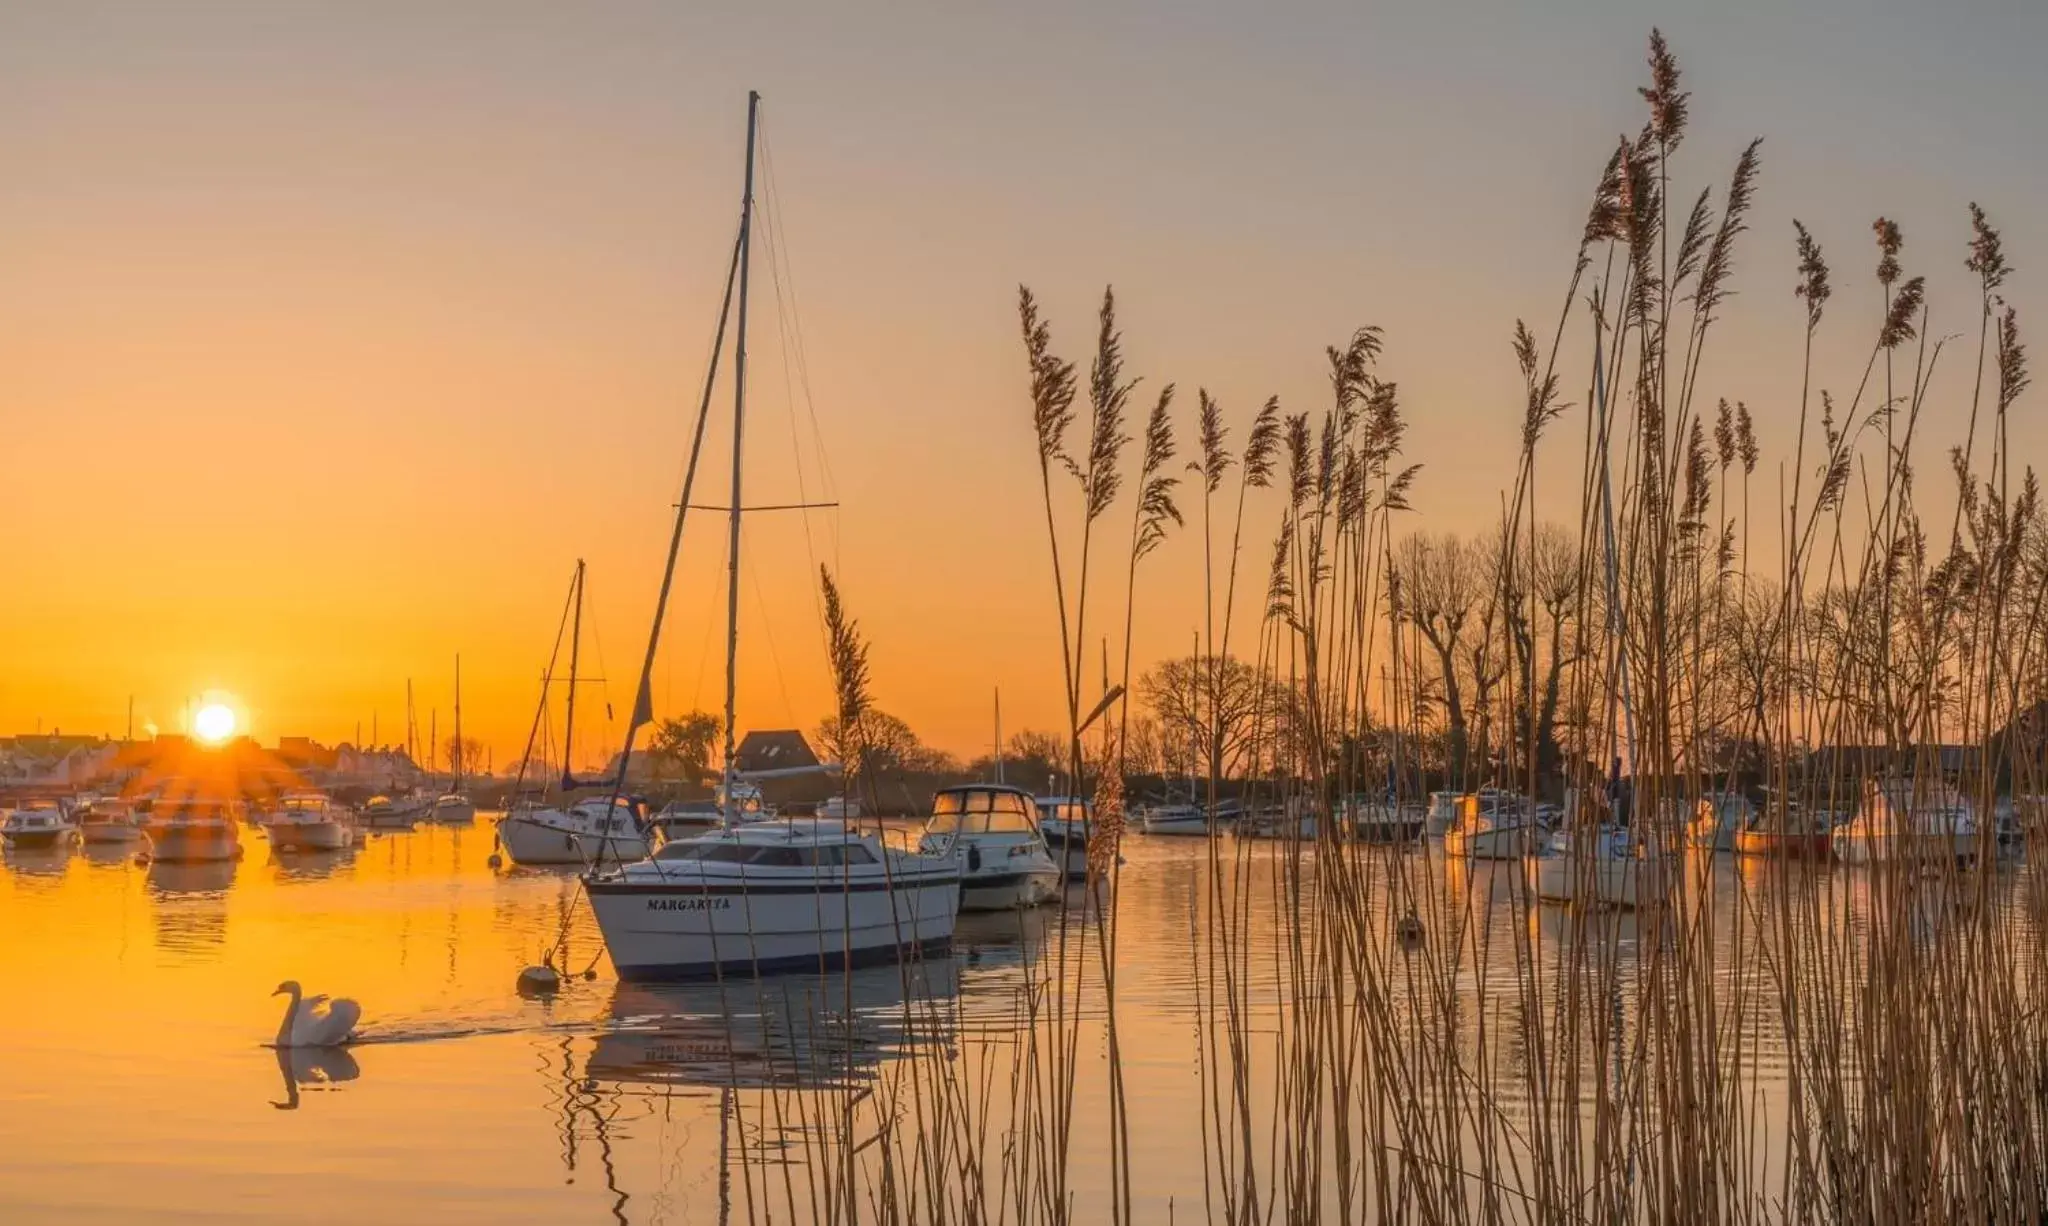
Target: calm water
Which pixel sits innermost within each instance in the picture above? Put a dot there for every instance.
(135, 1084)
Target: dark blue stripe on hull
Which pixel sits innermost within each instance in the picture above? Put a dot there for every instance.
(748, 968)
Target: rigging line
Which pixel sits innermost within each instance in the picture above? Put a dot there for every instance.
(784, 309)
(768, 636)
(803, 361)
(790, 330)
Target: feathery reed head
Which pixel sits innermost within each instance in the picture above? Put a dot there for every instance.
(1262, 444)
(1987, 251)
(1668, 103)
(1216, 457)
(849, 655)
(1889, 243)
(1301, 481)
(1898, 321)
(1745, 437)
(1724, 435)
(1156, 508)
(2012, 360)
(1052, 382)
(1108, 395)
(1603, 220)
(1813, 275)
(1719, 261)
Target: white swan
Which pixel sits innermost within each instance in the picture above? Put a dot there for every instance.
(315, 1021)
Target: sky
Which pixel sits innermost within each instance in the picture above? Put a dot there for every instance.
(331, 335)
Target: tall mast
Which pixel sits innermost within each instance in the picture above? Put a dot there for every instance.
(739, 421)
(455, 756)
(575, 651)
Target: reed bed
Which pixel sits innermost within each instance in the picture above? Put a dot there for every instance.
(1416, 1038)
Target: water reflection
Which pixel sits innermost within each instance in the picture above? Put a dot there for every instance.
(318, 1067)
(30, 862)
(108, 855)
(171, 880)
(803, 1031)
(302, 866)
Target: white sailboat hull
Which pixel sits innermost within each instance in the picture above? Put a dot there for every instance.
(531, 842)
(1602, 881)
(1494, 843)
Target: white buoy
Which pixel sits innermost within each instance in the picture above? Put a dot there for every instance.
(539, 981)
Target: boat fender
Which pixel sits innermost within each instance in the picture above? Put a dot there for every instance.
(974, 859)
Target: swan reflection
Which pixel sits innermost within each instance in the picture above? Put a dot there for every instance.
(318, 1067)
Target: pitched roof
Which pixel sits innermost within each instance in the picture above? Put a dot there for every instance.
(784, 749)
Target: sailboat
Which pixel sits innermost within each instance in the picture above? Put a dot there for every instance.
(596, 830)
(454, 806)
(778, 894)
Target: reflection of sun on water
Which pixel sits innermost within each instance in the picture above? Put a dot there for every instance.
(214, 722)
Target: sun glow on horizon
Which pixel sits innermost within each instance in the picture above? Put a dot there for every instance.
(214, 723)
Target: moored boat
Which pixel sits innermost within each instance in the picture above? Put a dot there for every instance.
(1606, 866)
(308, 821)
(991, 831)
(1172, 820)
(108, 820)
(452, 809)
(796, 894)
(1373, 819)
(1493, 825)
(39, 824)
(1917, 821)
(384, 813)
(192, 831)
(1066, 824)
(597, 831)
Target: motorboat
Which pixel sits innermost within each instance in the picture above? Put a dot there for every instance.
(192, 831)
(1920, 821)
(1493, 825)
(1717, 819)
(108, 820)
(1375, 819)
(991, 831)
(39, 824)
(783, 894)
(599, 830)
(686, 819)
(309, 821)
(1292, 822)
(1786, 830)
(1604, 866)
(384, 813)
(1066, 823)
(1173, 819)
(452, 809)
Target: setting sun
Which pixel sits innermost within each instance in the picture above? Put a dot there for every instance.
(214, 722)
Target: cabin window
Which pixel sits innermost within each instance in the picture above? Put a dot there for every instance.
(857, 854)
(725, 853)
(680, 851)
(778, 857)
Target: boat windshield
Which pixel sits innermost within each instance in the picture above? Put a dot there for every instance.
(976, 811)
(1062, 809)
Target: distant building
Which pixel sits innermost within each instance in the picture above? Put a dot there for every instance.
(783, 750)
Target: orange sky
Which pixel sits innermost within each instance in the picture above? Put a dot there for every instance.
(328, 344)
